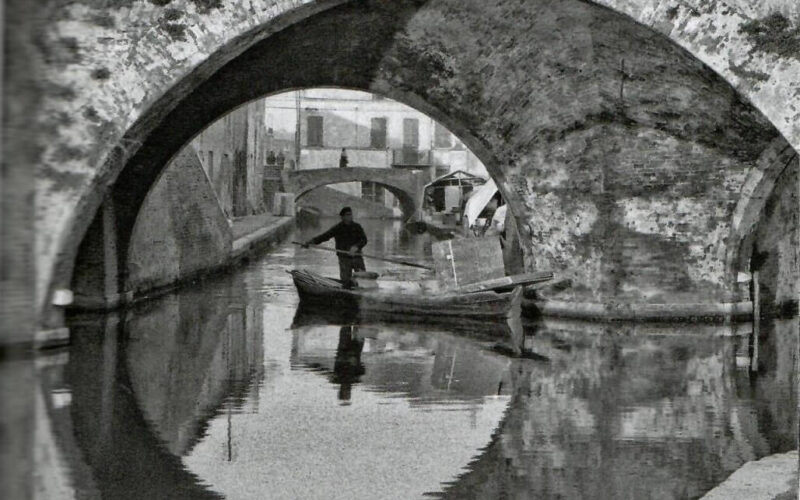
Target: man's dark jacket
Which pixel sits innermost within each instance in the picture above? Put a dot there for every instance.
(346, 236)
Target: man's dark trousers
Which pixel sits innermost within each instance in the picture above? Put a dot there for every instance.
(348, 264)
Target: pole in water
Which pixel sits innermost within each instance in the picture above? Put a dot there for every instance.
(368, 256)
(756, 322)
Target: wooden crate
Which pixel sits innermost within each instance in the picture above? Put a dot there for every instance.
(469, 260)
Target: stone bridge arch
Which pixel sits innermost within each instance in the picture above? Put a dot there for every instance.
(528, 87)
(760, 182)
(405, 185)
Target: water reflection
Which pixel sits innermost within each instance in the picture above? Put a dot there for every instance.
(188, 354)
(403, 422)
(421, 365)
(347, 367)
(666, 417)
(117, 447)
(227, 389)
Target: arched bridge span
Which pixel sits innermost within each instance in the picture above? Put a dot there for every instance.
(406, 185)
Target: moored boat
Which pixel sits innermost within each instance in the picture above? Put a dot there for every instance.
(447, 307)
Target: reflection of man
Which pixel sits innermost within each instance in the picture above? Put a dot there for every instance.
(347, 368)
(349, 237)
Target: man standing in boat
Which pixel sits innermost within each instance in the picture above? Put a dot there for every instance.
(349, 237)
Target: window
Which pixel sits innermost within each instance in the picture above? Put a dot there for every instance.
(377, 133)
(410, 133)
(441, 137)
(314, 131)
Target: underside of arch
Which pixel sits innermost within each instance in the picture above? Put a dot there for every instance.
(408, 204)
(620, 155)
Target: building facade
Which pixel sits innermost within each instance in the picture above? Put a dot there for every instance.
(375, 132)
(241, 157)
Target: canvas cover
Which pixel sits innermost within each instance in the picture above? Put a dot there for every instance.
(478, 201)
(466, 261)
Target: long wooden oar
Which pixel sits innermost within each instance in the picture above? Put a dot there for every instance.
(375, 257)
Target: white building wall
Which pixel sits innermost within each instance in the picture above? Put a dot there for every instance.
(347, 120)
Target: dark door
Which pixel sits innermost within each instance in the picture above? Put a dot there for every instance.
(314, 138)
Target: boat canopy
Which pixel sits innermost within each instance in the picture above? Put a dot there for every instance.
(478, 201)
(463, 180)
(457, 178)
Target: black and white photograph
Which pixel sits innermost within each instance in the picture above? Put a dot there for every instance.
(400, 249)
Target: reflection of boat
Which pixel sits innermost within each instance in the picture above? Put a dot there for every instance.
(449, 307)
(507, 338)
(311, 315)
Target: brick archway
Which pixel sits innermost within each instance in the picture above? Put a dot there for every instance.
(575, 208)
(756, 190)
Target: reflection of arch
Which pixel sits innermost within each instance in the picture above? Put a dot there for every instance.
(495, 120)
(126, 457)
(583, 412)
(403, 184)
(145, 404)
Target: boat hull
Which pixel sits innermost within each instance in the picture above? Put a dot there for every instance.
(469, 307)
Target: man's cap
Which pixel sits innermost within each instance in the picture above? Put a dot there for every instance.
(345, 210)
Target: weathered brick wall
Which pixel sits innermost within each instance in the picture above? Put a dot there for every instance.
(234, 143)
(510, 78)
(639, 215)
(89, 277)
(257, 150)
(627, 154)
(181, 229)
(17, 188)
(19, 380)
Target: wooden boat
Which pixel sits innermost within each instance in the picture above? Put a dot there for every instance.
(446, 307)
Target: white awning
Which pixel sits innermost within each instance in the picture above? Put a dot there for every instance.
(478, 201)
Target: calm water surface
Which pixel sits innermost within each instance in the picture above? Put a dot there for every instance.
(227, 390)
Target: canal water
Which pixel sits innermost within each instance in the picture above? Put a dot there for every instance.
(226, 389)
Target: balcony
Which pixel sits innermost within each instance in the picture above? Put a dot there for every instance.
(411, 158)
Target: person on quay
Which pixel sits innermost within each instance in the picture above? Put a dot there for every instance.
(349, 237)
(343, 162)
